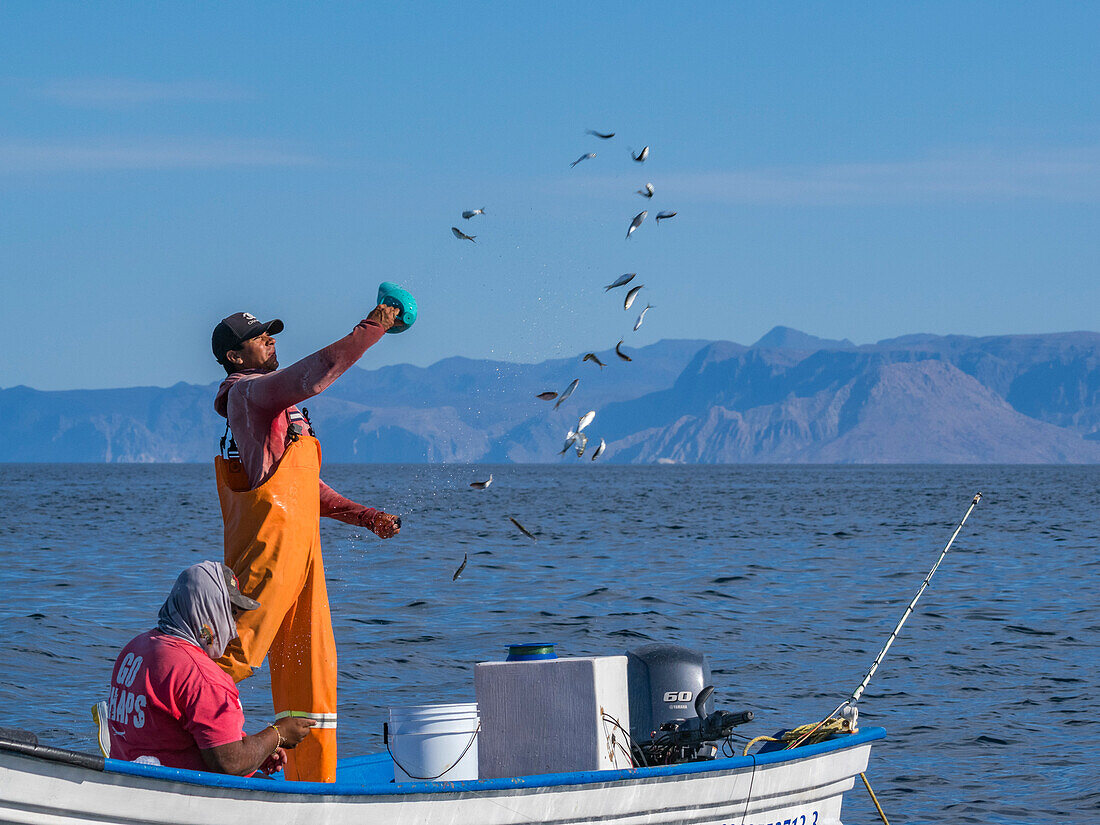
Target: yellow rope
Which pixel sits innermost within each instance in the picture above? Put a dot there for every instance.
(758, 739)
(874, 799)
(817, 733)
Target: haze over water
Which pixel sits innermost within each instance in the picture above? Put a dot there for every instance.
(788, 578)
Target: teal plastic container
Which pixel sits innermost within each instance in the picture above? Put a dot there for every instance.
(531, 652)
(392, 295)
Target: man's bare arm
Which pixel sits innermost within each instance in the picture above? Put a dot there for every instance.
(244, 757)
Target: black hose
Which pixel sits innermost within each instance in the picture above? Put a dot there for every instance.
(67, 757)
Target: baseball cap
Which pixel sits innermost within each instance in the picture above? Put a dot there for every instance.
(233, 331)
(237, 598)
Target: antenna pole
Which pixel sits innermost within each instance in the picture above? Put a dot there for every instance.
(858, 692)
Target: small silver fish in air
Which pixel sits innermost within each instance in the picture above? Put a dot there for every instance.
(664, 216)
(622, 354)
(570, 437)
(622, 279)
(645, 192)
(461, 567)
(600, 135)
(641, 317)
(599, 450)
(634, 224)
(582, 443)
(594, 358)
(568, 392)
(547, 396)
(481, 485)
(642, 155)
(582, 157)
(462, 236)
(469, 213)
(523, 529)
(586, 419)
(630, 296)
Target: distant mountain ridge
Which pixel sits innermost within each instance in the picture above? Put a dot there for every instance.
(790, 397)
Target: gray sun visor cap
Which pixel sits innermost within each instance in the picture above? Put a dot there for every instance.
(236, 597)
(237, 328)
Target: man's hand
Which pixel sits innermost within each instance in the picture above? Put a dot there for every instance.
(293, 729)
(386, 526)
(384, 315)
(273, 763)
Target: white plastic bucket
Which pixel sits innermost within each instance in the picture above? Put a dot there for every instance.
(430, 742)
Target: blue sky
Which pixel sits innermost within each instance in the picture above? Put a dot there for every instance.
(855, 170)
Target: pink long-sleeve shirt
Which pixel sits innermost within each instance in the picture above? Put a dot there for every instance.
(256, 404)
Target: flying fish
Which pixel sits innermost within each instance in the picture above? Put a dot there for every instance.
(599, 450)
(664, 216)
(568, 392)
(634, 224)
(481, 485)
(469, 213)
(523, 529)
(547, 396)
(582, 157)
(586, 419)
(630, 296)
(622, 354)
(462, 236)
(461, 567)
(582, 443)
(646, 191)
(642, 155)
(622, 279)
(600, 135)
(594, 358)
(570, 437)
(641, 317)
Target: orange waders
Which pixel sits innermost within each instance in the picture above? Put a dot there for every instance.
(273, 544)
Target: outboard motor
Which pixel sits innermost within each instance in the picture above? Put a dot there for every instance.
(672, 717)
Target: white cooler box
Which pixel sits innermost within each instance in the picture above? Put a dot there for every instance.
(552, 716)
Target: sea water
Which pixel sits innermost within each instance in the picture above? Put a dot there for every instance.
(789, 579)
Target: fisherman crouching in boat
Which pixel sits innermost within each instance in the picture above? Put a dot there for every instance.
(172, 705)
(272, 497)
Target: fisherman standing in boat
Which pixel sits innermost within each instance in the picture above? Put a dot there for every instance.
(171, 705)
(272, 497)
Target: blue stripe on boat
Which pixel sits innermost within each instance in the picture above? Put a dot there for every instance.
(346, 788)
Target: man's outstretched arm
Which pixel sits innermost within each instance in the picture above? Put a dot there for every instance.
(335, 506)
(311, 375)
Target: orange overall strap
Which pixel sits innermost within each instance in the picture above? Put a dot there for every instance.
(273, 544)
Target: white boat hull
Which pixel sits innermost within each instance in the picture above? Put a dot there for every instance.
(800, 787)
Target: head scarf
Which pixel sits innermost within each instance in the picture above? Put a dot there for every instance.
(198, 609)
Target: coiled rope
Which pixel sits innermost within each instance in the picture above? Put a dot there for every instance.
(819, 732)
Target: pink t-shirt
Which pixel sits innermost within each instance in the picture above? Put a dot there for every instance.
(169, 700)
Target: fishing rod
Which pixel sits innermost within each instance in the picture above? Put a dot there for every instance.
(847, 709)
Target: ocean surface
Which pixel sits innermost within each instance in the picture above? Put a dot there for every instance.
(789, 579)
